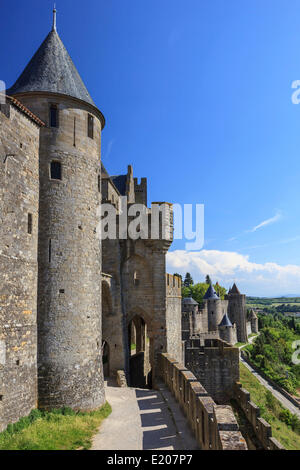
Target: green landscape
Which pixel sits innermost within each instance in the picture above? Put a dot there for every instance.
(285, 425)
(262, 302)
(272, 351)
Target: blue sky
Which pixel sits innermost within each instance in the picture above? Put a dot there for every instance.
(197, 97)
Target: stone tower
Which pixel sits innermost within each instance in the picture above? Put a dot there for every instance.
(237, 312)
(69, 254)
(254, 321)
(191, 318)
(227, 330)
(214, 308)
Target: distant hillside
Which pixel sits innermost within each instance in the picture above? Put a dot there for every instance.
(261, 302)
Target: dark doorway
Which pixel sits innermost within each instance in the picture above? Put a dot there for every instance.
(139, 354)
(105, 359)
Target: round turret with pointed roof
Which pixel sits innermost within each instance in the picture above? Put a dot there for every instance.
(225, 321)
(52, 70)
(211, 294)
(252, 314)
(189, 301)
(234, 290)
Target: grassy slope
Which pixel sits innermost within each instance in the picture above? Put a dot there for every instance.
(56, 431)
(283, 433)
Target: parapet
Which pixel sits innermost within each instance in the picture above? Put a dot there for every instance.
(261, 428)
(214, 426)
(173, 285)
(140, 190)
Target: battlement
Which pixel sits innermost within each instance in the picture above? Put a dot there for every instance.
(173, 285)
(140, 190)
(261, 428)
(214, 426)
(215, 364)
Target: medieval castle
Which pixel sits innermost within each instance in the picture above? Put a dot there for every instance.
(215, 318)
(73, 308)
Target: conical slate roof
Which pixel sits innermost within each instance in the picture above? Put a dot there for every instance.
(234, 290)
(225, 321)
(52, 70)
(252, 314)
(189, 301)
(210, 293)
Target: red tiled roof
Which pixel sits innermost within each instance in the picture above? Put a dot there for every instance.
(25, 110)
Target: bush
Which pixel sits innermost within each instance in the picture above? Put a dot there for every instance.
(290, 419)
(270, 400)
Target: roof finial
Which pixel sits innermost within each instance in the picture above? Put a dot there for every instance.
(54, 18)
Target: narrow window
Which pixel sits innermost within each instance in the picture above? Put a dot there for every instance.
(61, 291)
(18, 362)
(55, 171)
(53, 116)
(29, 224)
(90, 126)
(1, 397)
(136, 280)
(49, 251)
(99, 183)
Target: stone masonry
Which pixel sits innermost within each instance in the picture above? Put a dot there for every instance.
(19, 204)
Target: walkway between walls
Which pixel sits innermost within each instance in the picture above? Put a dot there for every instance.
(143, 419)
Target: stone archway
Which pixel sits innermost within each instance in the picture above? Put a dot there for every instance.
(140, 368)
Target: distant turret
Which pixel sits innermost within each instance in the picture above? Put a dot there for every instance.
(237, 312)
(227, 330)
(214, 308)
(254, 321)
(190, 321)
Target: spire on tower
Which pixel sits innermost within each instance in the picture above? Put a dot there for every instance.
(54, 18)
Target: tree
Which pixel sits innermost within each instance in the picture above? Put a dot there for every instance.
(221, 291)
(188, 281)
(197, 291)
(207, 279)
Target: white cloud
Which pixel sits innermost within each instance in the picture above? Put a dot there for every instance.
(266, 279)
(266, 222)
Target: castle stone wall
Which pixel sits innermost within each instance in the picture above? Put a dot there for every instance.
(19, 197)
(216, 366)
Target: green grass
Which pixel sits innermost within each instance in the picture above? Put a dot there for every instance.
(271, 410)
(62, 429)
(133, 347)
